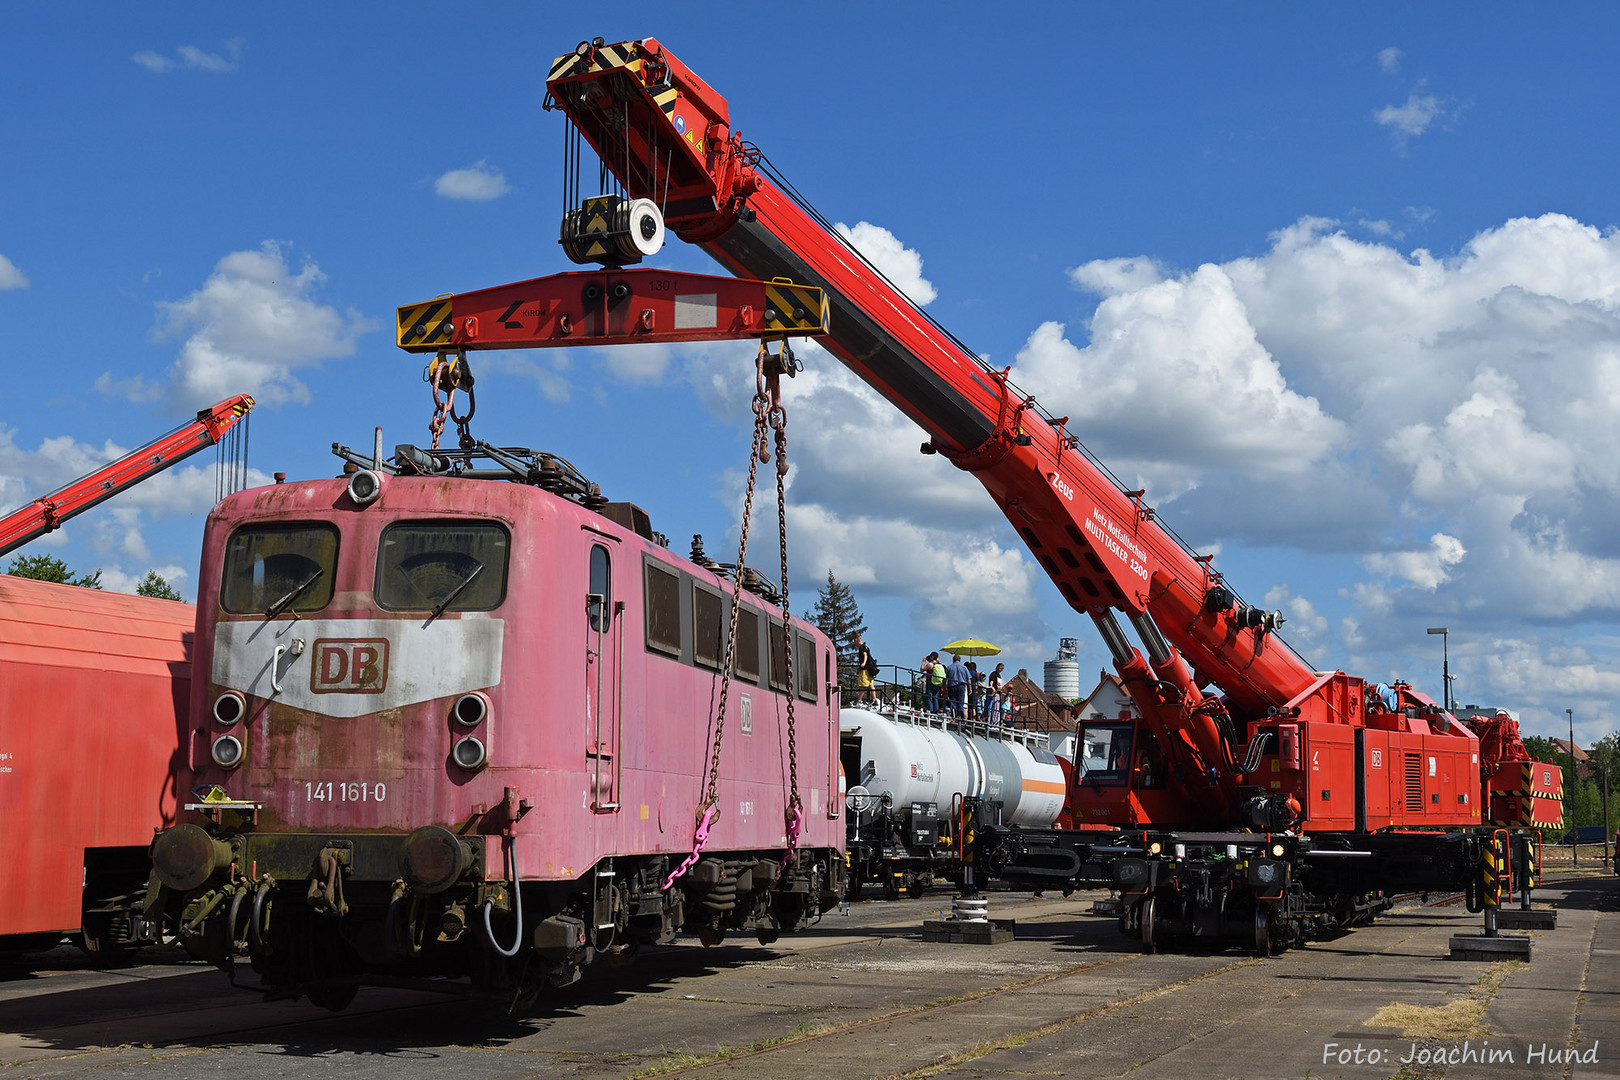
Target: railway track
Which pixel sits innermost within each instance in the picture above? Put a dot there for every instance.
(858, 997)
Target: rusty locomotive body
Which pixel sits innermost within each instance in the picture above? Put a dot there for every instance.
(445, 725)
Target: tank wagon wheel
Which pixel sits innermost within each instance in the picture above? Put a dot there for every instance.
(1262, 931)
(891, 887)
(916, 887)
(1150, 939)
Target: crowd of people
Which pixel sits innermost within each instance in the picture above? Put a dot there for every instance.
(961, 690)
(957, 689)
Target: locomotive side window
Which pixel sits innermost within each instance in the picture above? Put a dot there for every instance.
(708, 626)
(599, 600)
(804, 666)
(748, 645)
(663, 610)
(276, 568)
(442, 566)
(779, 677)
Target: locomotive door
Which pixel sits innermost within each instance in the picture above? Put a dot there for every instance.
(604, 632)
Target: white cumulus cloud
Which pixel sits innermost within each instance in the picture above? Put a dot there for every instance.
(10, 276)
(478, 182)
(900, 264)
(1426, 567)
(251, 324)
(1389, 60)
(189, 56)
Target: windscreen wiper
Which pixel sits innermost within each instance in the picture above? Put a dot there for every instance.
(280, 605)
(455, 592)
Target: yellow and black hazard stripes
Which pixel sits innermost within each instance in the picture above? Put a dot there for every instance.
(588, 58)
(1493, 868)
(597, 218)
(426, 324)
(793, 307)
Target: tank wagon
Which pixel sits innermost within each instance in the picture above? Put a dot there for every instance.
(93, 688)
(910, 773)
(454, 717)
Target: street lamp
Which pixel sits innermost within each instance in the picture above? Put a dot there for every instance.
(1445, 663)
(1569, 796)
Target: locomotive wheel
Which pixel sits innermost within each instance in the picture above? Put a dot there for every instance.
(96, 941)
(917, 886)
(891, 887)
(335, 996)
(1262, 931)
(1150, 941)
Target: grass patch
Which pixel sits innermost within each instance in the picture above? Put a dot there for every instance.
(1460, 1018)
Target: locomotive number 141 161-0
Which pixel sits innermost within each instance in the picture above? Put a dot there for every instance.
(344, 791)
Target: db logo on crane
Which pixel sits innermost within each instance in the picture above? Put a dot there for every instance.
(349, 666)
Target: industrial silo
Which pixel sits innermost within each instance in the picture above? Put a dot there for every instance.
(1063, 672)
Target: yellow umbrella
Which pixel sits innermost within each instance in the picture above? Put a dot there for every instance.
(971, 647)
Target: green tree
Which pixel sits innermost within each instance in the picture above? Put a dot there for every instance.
(50, 568)
(1605, 758)
(155, 586)
(839, 617)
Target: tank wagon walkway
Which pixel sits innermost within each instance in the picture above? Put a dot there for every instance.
(863, 996)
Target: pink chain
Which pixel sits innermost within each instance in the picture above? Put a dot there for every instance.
(698, 842)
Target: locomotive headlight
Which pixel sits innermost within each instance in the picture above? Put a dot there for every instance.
(185, 857)
(470, 753)
(364, 487)
(1276, 851)
(229, 707)
(1154, 848)
(227, 751)
(471, 709)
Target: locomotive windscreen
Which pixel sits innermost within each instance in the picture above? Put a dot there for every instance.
(421, 565)
(287, 565)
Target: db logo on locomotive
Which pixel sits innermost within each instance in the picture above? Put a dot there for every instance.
(349, 666)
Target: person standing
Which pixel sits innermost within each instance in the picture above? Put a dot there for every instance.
(866, 670)
(956, 683)
(933, 681)
(993, 695)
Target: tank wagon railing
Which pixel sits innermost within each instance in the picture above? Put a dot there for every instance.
(900, 693)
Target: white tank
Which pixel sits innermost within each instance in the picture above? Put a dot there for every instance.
(1062, 675)
(917, 758)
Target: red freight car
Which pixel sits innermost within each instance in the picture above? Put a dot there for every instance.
(92, 688)
(459, 723)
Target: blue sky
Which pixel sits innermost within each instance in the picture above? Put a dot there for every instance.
(1340, 285)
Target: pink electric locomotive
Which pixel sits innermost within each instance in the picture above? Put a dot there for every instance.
(453, 716)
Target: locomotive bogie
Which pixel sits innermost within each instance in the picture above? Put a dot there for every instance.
(474, 722)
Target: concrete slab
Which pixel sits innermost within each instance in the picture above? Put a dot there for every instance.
(1533, 919)
(1490, 949)
(964, 932)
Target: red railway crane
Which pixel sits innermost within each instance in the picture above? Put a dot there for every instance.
(1237, 731)
(48, 512)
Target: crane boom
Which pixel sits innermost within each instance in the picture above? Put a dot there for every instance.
(48, 512)
(666, 136)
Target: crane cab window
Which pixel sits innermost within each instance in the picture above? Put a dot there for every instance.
(279, 568)
(1105, 752)
(442, 565)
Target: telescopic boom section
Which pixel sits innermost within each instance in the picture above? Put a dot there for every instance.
(665, 134)
(49, 512)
